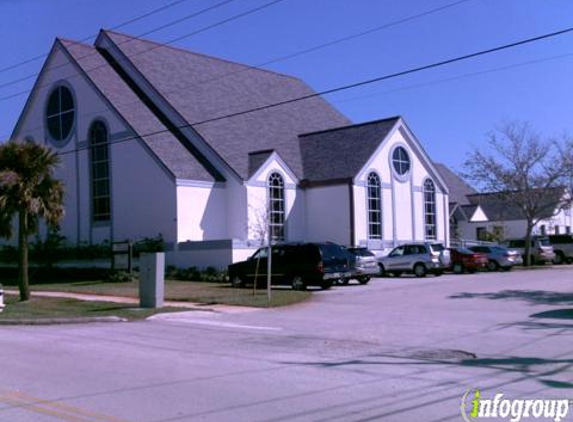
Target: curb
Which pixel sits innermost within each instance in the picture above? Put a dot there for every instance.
(60, 321)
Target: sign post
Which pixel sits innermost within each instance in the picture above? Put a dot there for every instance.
(122, 256)
(269, 262)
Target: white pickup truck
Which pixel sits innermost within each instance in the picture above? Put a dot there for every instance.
(563, 248)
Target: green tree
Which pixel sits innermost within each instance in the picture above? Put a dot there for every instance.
(28, 192)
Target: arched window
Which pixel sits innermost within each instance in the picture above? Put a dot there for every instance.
(374, 207)
(276, 207)
(99, 143)
(430, 209)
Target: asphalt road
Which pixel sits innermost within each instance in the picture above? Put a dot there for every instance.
(402, 349)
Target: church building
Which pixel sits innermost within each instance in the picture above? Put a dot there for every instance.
(210, 154)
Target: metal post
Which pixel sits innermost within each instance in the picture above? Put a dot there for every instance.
(269, 263)
(151, 280)
(1, 298)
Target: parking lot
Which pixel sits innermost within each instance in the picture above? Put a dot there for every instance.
(396, 349)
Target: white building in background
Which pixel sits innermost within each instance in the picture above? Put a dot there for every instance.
(476, 216)
(158, 140)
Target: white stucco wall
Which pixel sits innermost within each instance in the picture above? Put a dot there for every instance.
(328, 214)
(135, 176)
(258, 197)
(402, 197)
(201, 213)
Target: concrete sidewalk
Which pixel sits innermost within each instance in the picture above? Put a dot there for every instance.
(227, 309)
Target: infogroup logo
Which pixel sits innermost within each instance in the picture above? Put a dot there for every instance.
(475, 407)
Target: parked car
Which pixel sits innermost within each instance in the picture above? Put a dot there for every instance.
(417, 258)
(464, 259)
(540, 250)
(563, 248)
(298, 265)
(363, 264)
(499, 256)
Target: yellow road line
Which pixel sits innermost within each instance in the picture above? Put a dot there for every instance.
(41, 410)
(55, 408)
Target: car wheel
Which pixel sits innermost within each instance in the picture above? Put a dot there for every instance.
(364, 280)
(298, 283)
(420, 270)
(339, 281)
(458, 268)
(237, 281)
(325, 284)
(492, 265)
(570, 260)
(559, 258)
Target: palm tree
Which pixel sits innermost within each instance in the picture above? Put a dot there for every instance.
(29, 191)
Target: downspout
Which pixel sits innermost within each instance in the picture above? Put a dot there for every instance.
(352, 222)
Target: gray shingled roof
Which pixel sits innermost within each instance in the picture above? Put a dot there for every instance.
(469, 210)
(164, 145)
(341, 152)
(257, 159)
(497, 209)
(459, 189)
(201, 88)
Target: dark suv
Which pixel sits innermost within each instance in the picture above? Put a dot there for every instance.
(298, 265)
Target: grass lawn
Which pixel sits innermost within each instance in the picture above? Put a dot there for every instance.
(186, 291)
(44, 307)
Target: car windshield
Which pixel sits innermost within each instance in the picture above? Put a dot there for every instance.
(261, 253)
(360, 252)
(331, 250)
(464, 251)
(437, 247)
(498, 249)
(544, 241)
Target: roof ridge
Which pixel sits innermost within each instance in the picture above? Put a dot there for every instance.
(83, 44)
(515, 191)
(397, 117)
(184, 50)
(262, 151)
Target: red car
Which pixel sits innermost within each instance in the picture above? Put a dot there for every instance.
(462, 259)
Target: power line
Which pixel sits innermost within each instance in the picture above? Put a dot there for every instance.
(366, 32)
(201, 30)
(121, 25)
(349, 86)
(305, 51)
(456, 78)
(172, 23)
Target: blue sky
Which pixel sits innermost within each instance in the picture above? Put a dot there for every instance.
(450, 109)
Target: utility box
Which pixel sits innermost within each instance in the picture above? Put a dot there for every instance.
(151, 280)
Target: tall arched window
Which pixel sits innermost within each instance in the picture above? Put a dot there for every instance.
(374, 207)
(276, 207)
(99, 143)
(430, 209)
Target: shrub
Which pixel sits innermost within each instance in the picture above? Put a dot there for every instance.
(209, 274)
(149, 244)
(120, 277)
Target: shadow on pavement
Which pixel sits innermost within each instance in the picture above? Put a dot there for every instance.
(534, 297)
